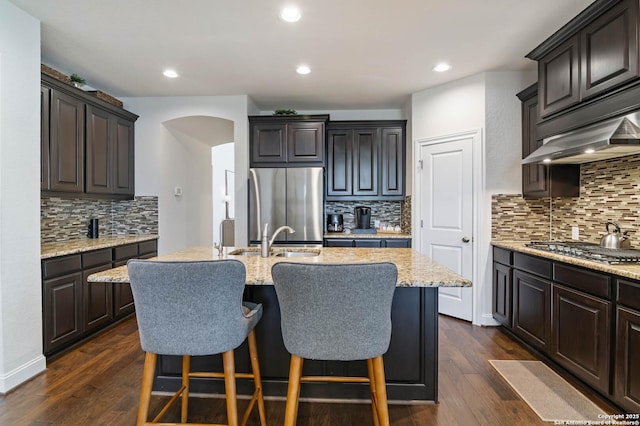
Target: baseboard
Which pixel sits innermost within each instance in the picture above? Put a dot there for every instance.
(488, 320)
(21, 374)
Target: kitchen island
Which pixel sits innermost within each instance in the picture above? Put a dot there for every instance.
(411, 363)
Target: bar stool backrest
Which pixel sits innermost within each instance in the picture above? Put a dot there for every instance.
(335, 311)
(190, 308)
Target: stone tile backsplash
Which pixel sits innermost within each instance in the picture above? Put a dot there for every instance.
(394, 213)
(609, 190)
(63, 219)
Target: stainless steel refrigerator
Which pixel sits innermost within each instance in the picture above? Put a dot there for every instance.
(286, 196)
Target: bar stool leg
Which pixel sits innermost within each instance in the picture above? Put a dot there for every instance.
(147, 384)
(381, 391)
(293, 391)
(255, 368)
(374, 397)
(186, 368)
(228, 362)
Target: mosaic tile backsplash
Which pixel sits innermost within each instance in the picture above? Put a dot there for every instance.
(394, 213)
(63, 219)
(609, 190)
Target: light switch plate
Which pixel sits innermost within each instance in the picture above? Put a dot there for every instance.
(177, 191)
(575, 233)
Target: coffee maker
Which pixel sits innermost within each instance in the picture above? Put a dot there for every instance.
(362, 215)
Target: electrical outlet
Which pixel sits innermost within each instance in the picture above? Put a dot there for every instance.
(575, 233)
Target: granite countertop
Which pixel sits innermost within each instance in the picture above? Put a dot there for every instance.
(380, 234)
(625, 270)
(414, 268)
(63, 248)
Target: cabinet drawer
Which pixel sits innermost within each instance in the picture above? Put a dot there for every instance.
(147, 247)
(629, 293)
(125, 252)
(61, 265)
(503, 256)
(581, 279)
(534, 265)
(96, 258)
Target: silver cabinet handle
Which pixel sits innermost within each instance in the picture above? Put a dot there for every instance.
(465, 240)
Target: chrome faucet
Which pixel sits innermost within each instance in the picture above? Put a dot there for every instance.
(265, 245)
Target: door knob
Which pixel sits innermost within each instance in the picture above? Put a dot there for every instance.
(465, 240)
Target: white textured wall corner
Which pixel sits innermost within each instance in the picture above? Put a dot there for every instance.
(20, 280)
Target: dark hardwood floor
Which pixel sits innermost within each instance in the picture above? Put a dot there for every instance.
(98, 384)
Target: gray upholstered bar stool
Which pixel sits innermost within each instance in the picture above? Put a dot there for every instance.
(190, 309)
(336, 312)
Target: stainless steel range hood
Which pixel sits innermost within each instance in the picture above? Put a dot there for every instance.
(610, 139)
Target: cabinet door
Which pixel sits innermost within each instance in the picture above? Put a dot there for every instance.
(392, 146)
(66, 143)
(268, 144)
(368, 242)
(366, 144)
(305, 143)
(627, 360)
(558, 74)
(581, 335)
(97, 300)
(339, 162)
(45, 94)
(534, 176)
(532, 309)
(397, 243)
(338, 242)
(609, 48)
(99, 151)
(123, 157)
(502, 289)
(122, 296)
(62, 311)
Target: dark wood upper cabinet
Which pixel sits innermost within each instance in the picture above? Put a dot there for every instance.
(87, 144)
(588, 70)
(45, 98)
(109, 158)
(539, 180)
(609, 50)
(366, 160)
(558, 74)
(66, 146)
(285, 141)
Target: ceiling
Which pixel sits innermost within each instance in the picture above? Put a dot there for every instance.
(364, 54)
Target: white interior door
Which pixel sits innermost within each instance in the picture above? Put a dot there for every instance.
(446, 213)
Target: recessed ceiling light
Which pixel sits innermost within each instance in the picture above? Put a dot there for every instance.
(442, 67)
(589, 151)
(170, 73)
(290, 14)
(546, 160)
(303, 69)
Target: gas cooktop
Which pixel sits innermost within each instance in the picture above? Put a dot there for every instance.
(588, 251)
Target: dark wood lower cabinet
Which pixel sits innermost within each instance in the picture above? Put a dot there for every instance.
(368, 242)
(411, 363)
(97, 300)
(62, 314)
(502, 290)
(582, 335)
(532, 309)
(627, 360)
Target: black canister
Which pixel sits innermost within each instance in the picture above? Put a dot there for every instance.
(93, 228)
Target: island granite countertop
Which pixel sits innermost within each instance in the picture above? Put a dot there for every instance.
(625, 270)
(414, 268)
(82, 245)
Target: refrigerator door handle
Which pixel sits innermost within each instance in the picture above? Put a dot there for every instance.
(254, 179)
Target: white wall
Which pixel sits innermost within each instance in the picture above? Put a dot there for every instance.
(20, 285)
(162, 162)
(221, 160)
(484, 101)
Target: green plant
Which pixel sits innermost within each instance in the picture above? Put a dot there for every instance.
(285, 112)
(76, 78)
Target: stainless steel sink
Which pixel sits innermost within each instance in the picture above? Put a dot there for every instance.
(243, 252)
(310, 253)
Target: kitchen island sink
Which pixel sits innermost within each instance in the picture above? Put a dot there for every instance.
(411, 363)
